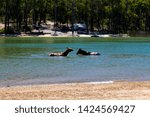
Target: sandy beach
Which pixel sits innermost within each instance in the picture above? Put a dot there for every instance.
(79, 91)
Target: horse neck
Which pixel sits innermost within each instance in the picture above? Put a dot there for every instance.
(84, 52)
(65, 53)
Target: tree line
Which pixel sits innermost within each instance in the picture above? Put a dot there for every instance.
(111, 16)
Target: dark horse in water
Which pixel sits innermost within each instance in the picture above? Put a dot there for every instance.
(83, 52)
(65, 53)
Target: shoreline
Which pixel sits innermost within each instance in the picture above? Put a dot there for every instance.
(61, 34)
(79, 91)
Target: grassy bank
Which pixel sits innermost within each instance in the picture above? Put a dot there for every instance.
(111, 39)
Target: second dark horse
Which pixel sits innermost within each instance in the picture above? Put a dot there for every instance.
(83, 52)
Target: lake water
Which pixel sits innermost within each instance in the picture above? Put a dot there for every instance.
(25, 61)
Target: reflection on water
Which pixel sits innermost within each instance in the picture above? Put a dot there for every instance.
(26, 61)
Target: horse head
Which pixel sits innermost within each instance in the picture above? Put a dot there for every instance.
(69, 49)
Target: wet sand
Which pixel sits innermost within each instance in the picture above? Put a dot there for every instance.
(78, 91)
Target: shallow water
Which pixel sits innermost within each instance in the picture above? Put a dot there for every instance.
(25, 61)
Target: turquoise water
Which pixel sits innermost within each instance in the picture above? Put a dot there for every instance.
(25, 61)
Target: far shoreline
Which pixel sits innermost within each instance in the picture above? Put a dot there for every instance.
(101, 36)
(68, 34)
